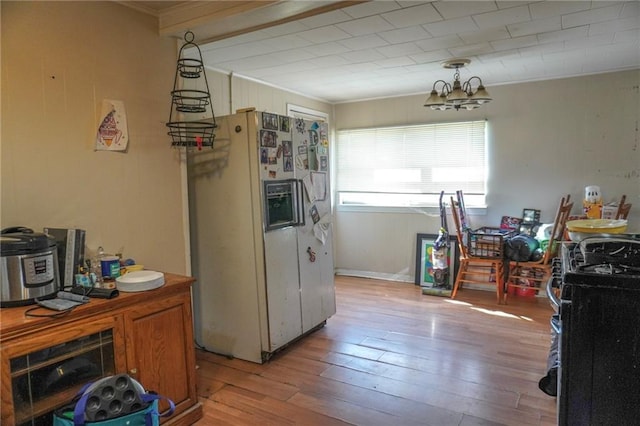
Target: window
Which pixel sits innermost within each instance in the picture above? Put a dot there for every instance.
(409, 166)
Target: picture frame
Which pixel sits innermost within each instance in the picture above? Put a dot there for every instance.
(270, 121)
(268, 138)
(285, 124)
(530, 216)
(423, 278)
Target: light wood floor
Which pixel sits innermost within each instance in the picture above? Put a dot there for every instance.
(392, 356)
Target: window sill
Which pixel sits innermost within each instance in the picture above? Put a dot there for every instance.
(429, 210)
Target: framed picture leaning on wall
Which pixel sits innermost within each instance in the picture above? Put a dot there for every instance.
(424, 264)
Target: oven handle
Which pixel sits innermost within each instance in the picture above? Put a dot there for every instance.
(555, 301)
(555, 323)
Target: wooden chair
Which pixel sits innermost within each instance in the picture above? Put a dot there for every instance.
(522, 273)
(476, 270)
(623, 209)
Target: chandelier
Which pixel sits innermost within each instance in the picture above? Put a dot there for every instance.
(457, 95)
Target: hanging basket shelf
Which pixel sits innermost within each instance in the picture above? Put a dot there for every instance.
(192, 101)
(192, 134)
(191, 122)
(190, 68)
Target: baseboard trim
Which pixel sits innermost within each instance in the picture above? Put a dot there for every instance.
(377, 275)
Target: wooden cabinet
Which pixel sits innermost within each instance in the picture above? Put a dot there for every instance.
(148, 335)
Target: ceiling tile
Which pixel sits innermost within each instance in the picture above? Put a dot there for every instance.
(370, 8)
(399, 50)
(456, 9)
(443, 42)
(553, 23)
(324, 34)
(396, 62)
(433, 56)
(403, 35)
(331, 48)
(563, 34)
(632, 36)
(546, 9)
(416, 15)
(514, 43)
(630, 23)
(591, 16)
(452, 26)
(364, 42)
(490, 34)
(365, 55)
(503, 17)
(329, 18)
(358, 27)
(471, 50)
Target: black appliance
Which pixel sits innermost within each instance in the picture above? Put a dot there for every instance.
(598, 326)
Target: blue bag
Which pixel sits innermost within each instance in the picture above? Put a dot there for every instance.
(113, 401)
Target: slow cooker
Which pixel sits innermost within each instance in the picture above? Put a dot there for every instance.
(28, 268)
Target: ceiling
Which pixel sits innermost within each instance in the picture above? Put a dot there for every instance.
(348, 51)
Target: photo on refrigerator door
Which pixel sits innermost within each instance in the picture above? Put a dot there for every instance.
(285, 124)
(268, 138)
(428, 273)
(270, 121)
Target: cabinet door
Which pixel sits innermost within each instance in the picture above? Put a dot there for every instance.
(160, 350)
(44, 370)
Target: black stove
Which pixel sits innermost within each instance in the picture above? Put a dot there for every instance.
(599, 332)
(602, 256)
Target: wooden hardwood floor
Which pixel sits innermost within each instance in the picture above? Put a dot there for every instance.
(392, 356)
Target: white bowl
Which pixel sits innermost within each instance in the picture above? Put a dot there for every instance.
(140, 281)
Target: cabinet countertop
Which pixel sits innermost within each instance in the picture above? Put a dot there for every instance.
(14, 322)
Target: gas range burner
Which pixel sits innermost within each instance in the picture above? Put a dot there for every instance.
(615, 251)
(609, 269)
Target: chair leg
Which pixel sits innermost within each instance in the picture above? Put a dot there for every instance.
(461, 272)
(499, 266)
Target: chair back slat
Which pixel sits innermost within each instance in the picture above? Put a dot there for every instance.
(623, 208)
(459, 231)
(559, 224)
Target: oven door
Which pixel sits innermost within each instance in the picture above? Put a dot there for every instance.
(283, 204)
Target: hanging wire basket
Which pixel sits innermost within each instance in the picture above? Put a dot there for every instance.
(192, 101)
(188, 99)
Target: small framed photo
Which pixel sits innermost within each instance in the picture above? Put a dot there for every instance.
(510, 222)
(269, 121)
(268, 138)
(530, 216)
(285, 123)
(313, 212)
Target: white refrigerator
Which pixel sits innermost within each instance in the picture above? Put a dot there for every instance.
(260, 229)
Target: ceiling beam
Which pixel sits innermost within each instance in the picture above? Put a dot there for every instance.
(216, 20)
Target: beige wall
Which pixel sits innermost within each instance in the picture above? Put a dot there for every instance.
(59, 61)
(234, 92)
(546, 139)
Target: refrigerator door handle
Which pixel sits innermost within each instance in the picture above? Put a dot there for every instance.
(300, 202)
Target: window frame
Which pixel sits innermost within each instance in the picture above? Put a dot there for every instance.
(476, 203)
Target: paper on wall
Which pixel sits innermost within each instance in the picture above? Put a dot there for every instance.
(319, 185)
(308, 188)
(113, 134)
(321, 228)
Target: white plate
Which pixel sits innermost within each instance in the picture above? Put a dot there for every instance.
(140, 281)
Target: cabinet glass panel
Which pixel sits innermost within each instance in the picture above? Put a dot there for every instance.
(49, 378)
